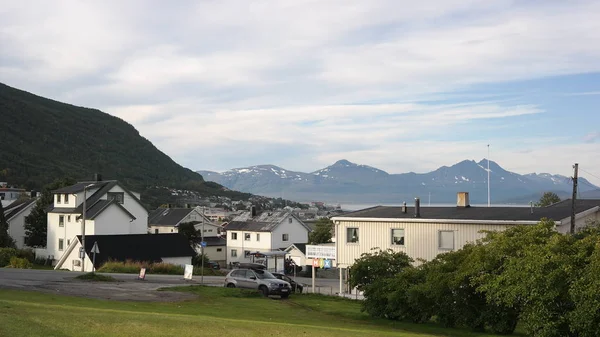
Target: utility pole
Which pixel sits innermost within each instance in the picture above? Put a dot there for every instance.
(202, 249)
(576, 168)
(488, 179)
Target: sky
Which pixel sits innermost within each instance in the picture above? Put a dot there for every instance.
(398, 85)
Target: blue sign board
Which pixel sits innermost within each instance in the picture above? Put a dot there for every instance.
(326, 264)
(203, 243)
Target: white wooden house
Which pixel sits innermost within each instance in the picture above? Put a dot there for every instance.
(110, 209)
(266, 232)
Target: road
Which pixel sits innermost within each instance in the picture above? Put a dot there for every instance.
(128, 287)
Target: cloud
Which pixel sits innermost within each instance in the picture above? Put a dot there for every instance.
(592, 137)
(393, 84)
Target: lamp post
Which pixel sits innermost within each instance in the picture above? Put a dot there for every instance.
(202, 249)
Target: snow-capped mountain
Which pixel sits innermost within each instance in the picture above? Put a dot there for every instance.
(348, 182)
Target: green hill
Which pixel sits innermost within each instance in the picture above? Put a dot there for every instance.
(42, 140)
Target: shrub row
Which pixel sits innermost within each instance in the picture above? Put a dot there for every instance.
(133, 267)
(7, 254)
(528, 275)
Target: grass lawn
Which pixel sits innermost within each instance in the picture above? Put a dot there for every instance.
(216, 312)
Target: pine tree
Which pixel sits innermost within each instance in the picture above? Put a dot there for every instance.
(5, 240)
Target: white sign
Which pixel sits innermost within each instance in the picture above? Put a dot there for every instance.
(95, 248)
(189, 270)
(320, 252)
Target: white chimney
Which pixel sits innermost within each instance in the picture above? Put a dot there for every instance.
(462, 199)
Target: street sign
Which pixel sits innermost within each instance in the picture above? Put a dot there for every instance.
(203, 244)
(326, 264)
(316, 263)
(320, 252)
(81, 252)
(95, 251)
(189, 270)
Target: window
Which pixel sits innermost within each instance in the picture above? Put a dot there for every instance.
(156, 231)
(398, 236)
(290, 220)
(219, 249)
(118, 196)
(446, 240)
(246, 253)
(68, 243)
(68, 218)
(210, 230)
(2, 196)
(257, 237)
(238, 273)
(247, 237)
(58, 198)
(234, 253)
(352, 235)
(171, 230)
(61, 244)
(285, 237)
(66, 198)
(233, 236)
(61, 221)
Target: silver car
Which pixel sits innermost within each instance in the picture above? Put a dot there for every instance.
(262, 280)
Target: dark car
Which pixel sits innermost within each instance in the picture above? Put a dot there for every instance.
(214, 265)
(296, 287)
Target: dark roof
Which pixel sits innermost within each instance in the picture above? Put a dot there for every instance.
(16, 207)
(100, 205)
(168, 216)
(558, 211)
(138, 247)
(94, 205)
(78, 187)
(264, 222)
(212, 241)
(301, 247)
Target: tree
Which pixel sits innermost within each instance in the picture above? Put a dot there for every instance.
(379, 265)
(322, 233)
(547, 199)
(188, 229)
(5, 240)
(36, 223)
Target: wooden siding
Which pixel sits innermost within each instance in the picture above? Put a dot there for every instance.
(420, 239)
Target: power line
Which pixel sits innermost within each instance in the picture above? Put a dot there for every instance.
(593, 175)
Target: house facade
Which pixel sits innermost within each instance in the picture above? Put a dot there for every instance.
(110, 209)
(266, 232)
(167, 220)
(423, 233)
(9, 194)
(15, 214)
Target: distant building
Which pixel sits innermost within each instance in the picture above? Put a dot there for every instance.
(9, 194)
(269, 231)
(15, 214)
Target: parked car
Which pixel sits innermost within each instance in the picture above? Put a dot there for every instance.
(214, 265)
(258, 279)
(296, 287)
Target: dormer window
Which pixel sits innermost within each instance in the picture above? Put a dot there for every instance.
(117, 196)
(58, 198)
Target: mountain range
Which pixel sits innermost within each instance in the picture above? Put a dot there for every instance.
(347, 182)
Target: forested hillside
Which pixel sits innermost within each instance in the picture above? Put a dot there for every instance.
(42, 139)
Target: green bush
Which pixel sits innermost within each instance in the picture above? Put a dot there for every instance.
(133, 267)
(20, 263)
(5, 255)
(96, 277)
(27, 254)
(165, 268)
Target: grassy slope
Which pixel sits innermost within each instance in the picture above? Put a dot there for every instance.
(217, 312)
